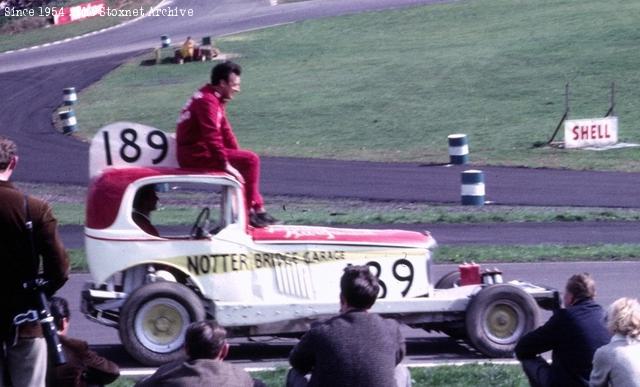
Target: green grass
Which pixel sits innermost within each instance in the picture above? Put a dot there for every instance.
(392, 85)
(470, 375)
(537, 253)
(354, 212)
(467, 375)
(78, 260)
(445, 376)
(51, 33)
(493, 254)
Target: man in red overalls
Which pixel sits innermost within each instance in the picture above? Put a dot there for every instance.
(206, 141)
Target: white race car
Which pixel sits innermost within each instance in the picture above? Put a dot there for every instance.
(260, 281)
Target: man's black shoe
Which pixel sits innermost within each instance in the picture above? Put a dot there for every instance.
(268, 218)
(262, 219)
(255, 221)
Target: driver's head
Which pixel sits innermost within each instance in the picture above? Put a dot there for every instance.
(225, 77)
(146, 199)
(206, 340)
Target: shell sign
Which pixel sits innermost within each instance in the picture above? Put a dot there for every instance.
(590, 132)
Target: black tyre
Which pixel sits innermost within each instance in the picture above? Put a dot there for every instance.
(498, 316)
(449, 280)
(153, 321)
(455, 330)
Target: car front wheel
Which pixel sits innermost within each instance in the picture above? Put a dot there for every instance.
(154, 319)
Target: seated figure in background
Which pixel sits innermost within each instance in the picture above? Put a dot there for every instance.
(355, 348)
(189, 50)
(84, 367)
(618, 363)
(572, 334)
(206, 346)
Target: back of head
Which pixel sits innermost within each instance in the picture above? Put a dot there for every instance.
(581, 286)
(204, 339)
(8, 150)
(59, 310)
(143, 194)
(359, 287)
(623, 317)
(222, 71)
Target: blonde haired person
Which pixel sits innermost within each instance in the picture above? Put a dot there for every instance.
(188, 49)
(617, 364)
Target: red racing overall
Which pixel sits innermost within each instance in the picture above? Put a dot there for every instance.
(206, 141)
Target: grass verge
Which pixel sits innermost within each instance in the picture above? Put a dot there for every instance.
(537, 253)
(352, 212)
(493, 254)
(392, 85)
(446, 376)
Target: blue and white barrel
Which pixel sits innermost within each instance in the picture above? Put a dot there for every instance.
(68, 119)
(458, 149)
(166, 41)
(472, 191)
(69, 96)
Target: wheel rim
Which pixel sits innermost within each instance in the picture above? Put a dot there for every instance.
(160, 325)
(504, 322)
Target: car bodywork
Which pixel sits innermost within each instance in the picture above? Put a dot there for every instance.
(261, 281)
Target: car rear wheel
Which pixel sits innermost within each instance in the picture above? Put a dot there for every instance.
(154, 319)
(449, 280)
(498, 316)
(455, 330)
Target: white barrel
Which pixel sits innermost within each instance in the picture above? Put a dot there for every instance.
(69, 96)
(68, 119)
(472, 190)
(166, 41)
(458, 149)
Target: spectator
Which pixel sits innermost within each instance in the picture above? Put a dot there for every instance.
(206, 140)
(145, 201)
(206, 347)
(84, 367)
(617, 364)
(29, 240)
(355, 348)
(189, 50)
(572, 334)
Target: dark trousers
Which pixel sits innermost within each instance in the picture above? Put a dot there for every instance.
(538, 371)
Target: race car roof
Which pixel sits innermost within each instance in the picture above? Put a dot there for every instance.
(107, 189)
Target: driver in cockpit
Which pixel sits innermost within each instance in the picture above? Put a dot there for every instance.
(145, 201)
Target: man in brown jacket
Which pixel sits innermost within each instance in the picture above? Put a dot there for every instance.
(25, 351)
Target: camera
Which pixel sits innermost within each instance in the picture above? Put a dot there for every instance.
(45, 318)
